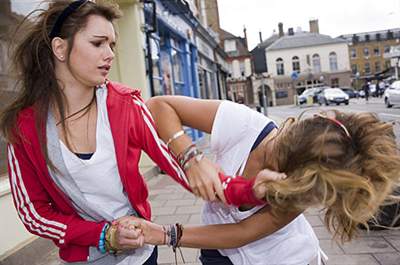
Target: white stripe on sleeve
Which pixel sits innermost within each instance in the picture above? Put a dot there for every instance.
(29, 215)
(148, 120)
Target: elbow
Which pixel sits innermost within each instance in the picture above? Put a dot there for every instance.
(152, 103)
(157, 105)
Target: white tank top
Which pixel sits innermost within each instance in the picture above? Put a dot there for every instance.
(234, 131)
(98, 177)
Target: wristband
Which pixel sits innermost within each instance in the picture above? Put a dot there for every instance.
(239, 191)
(102, 241)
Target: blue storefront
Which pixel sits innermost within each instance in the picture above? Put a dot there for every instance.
(171, 53)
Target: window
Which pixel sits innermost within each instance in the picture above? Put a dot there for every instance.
(296, 64)
(230, 45)
(377, 67)
(354, 69)
(333, 61)
(242, 68)
(335, 82)
(155, 56)
(387, 64)
(316, 63)
(280, 69)
(386, 49)
(366, 52)
(178, 71)
(377, 52)
(281, 94)
(353, 53)
(367, 68)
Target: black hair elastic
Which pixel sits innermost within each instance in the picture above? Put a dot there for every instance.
(71, 8)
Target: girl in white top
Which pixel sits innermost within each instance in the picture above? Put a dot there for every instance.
(346, 163)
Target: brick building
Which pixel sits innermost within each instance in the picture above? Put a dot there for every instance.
(367, 53)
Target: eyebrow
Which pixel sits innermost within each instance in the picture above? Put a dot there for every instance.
(102, 37)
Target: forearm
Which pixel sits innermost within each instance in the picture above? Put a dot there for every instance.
(223, 236)
(168, 123)
(219, 236)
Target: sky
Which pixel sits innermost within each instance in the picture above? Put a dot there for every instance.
(335, 17)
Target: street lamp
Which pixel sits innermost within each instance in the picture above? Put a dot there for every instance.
(264, 96)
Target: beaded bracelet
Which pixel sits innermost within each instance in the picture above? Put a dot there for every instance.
(102, 244)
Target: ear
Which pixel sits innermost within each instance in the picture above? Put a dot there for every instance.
(60, 48)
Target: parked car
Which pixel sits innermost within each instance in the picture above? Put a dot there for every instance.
(313, 92)
(350, 91)
(333, 95)
(392, 94)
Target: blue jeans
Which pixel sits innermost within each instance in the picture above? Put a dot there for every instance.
(213, 257)
(152, 260)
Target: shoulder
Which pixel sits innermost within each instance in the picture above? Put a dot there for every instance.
(122, 90)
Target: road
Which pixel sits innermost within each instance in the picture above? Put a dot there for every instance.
(375, 105)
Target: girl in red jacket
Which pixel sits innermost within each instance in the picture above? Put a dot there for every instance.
(75, 140)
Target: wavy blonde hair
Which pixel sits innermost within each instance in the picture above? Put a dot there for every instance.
(350, 177)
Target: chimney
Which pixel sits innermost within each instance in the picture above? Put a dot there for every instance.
(280, 27)
(290, 32)
(260, 35)
(245, 35)
(314, 27)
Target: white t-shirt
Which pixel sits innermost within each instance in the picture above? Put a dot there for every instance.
(98, 177)
(235, 129)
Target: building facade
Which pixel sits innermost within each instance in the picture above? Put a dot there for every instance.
(239, 83)
(299, 60)
(367, 52)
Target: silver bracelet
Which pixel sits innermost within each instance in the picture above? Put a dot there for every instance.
(174, 137)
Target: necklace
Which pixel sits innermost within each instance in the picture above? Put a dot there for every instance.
(82, 109)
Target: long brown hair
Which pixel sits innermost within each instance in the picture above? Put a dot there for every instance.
(350, 177)
(34, 66)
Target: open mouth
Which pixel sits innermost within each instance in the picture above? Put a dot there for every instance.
(105, 67)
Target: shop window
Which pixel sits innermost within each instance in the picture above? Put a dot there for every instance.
(296, 64)
(280, 68)
(177, 65)
(316, 63)
(386, 49)
(157, 76)
(333, 64)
